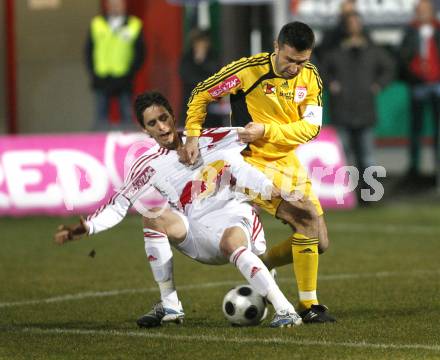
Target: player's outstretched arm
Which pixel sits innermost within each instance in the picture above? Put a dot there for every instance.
(67, 233)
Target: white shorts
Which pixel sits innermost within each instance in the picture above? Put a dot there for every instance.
(202, 242)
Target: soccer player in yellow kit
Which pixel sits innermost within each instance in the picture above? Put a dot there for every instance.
(277, 97)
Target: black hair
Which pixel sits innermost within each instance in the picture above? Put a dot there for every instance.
(298, 35)
(147, 99)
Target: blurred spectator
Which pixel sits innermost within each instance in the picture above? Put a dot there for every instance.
(114, 53)
(420, 60)
(332, 37)
(197, 64)
(355, 73)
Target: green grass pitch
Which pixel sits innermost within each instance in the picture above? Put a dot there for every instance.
(380, 278)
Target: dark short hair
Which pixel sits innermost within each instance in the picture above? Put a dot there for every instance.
(147, 99)
(298, 35)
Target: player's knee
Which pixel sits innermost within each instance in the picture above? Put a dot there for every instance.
(301, 216)
(161, 221)
(232, 239)
(155, 224)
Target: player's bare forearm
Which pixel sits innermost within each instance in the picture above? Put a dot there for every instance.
(66, 233)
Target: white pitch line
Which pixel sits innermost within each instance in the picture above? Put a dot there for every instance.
(385, 229)
(98, 294)
(228, 339)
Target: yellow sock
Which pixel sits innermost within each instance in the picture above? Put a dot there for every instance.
(305, 267)
(278, 255)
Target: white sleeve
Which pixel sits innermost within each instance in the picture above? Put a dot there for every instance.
(247, 176)
(109, 215)
(137, 183)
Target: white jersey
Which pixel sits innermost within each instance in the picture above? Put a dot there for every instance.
(194, 191)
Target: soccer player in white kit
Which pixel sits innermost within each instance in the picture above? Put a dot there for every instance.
(207, 218)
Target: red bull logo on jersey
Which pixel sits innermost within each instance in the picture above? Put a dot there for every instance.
(211, 178)
(224, 87)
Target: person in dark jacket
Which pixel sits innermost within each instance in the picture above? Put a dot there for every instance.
(115, 51)
(333, 37)
(198, 63)
(420, 60)
(355, 72)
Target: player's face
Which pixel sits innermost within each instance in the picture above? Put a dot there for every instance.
(160, 125)
(289, 61)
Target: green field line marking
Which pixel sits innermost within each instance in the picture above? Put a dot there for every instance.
(108, 293)
(228, 339)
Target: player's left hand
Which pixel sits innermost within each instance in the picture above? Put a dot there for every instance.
(67, 233)
(251, 132)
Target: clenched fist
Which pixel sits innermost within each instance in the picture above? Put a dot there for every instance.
(67, 233)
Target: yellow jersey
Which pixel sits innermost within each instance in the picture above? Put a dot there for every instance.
(289, 108)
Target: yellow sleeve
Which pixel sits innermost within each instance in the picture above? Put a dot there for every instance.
(295, 133)
(314, 95)
(225, 82)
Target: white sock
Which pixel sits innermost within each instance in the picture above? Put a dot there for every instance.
(168, 294)
(160, 257)
(258, 276)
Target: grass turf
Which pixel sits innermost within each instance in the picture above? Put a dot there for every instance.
(380, 278)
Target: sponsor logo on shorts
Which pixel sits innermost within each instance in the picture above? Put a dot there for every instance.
(254, 271)
(224, 87)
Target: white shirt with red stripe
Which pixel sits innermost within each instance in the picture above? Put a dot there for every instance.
(195, 190)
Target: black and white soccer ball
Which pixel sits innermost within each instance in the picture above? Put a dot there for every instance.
(243, 306)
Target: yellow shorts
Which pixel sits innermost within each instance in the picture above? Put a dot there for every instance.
(290, 176)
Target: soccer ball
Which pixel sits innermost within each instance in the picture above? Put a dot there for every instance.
(243, 306)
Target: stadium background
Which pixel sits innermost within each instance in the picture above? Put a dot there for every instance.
(380, 276)
(51, 85)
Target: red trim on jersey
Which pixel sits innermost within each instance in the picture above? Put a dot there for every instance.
(215, 136)
(143, 159)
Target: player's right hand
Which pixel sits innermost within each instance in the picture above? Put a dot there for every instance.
(67, 233)
(190, 151)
